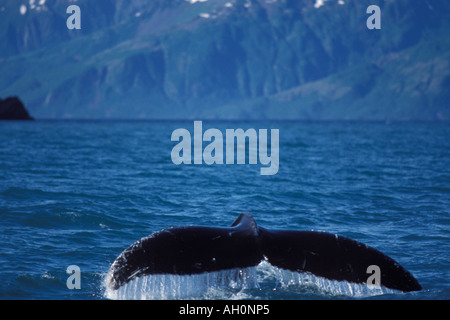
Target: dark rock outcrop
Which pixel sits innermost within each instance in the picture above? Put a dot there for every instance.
(13, 109)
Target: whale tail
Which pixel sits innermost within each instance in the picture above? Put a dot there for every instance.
(189, 250)
(333, 257)
(197, 249)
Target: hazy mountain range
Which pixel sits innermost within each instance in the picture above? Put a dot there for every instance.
(228, 59)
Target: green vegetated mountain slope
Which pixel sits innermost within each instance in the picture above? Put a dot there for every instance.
(256, 59)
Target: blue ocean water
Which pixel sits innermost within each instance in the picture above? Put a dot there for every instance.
(80, 192)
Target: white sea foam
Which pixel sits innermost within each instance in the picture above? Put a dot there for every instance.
(234, 284)
(288, 279)
(167, 286)
(194, 1)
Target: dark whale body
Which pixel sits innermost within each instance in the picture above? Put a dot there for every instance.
(194, 250)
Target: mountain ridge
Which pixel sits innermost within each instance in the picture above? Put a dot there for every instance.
(230, 60)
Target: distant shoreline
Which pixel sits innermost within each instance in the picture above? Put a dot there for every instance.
(231, 120)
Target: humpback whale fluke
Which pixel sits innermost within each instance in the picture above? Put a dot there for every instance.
(197, 249)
